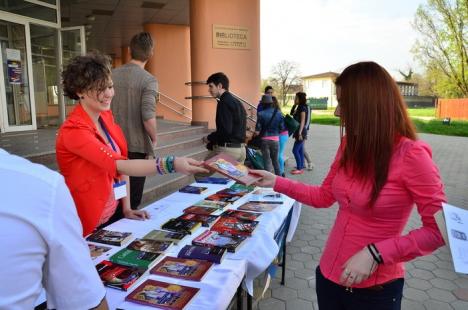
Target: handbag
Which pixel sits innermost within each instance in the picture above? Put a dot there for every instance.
(256, 142)
(291, 124)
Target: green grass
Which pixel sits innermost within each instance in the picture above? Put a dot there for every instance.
(424, 112)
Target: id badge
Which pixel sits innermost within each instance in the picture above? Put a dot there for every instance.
(120, 190)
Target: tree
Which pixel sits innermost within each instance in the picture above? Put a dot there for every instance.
(443, 47)
(284, 75)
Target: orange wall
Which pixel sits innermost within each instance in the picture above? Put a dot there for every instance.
(125, 55)
(170, 64)
(241, 66)
(453, 108)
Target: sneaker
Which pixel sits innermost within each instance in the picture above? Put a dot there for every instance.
(310, 166)
(297, 171)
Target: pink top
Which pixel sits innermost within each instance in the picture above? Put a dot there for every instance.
(284, 133)
(111, 204)
(413, 178)
(272, 138)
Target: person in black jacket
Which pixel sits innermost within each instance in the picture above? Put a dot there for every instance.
(231, 120)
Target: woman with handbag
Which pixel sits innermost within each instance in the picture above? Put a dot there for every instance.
(300, 113)
(283, 139)
(380, 172)
(270, 122)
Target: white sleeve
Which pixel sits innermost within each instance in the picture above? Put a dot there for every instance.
(70, 277)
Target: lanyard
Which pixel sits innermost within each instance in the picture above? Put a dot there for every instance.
(107, 134)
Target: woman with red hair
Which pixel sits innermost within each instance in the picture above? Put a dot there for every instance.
(380, 171)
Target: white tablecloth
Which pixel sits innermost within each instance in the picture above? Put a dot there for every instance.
(220, 284)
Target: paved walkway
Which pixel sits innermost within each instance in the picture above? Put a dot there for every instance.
(431, 283)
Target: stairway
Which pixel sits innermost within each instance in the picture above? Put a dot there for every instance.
(174, 138)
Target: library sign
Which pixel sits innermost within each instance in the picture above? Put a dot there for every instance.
(232, 37)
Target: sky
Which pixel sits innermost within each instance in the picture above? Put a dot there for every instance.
(329, 35)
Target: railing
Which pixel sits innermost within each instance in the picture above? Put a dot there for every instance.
(250, 108)
(180, 108)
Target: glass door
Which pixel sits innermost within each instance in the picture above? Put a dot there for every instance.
(18, 109)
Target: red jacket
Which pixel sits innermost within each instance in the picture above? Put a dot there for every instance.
(88, 164)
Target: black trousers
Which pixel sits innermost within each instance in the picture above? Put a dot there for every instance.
(331, 296)
(137, 184)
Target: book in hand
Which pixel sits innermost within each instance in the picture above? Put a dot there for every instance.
(234, 227)
(227, 198)
(97, 250)
(200, 210)
(162, 295)
(190, 189)
(211, 238)
(118, 276)
(220, 205)
(212, 180)
(135, 258)
(162, 235)
(266, 196)
(149, 245)
(187, 269)
(117, 238)
(205, 220)
(211, 254)
(257, 207)
(241, 215)
(228, 166)
(179, 225)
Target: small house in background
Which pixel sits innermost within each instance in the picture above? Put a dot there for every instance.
(409, 91)
(320, 89)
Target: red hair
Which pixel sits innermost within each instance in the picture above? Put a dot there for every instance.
(374, 117)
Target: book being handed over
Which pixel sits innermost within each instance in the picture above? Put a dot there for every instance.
(228, 166)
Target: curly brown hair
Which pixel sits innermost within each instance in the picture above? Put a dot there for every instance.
(86, 73)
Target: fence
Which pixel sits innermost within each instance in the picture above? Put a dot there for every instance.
(453, 108)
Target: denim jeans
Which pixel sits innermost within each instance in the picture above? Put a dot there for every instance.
(331, 296)
(298, 151)
(283, 139)
(270, 156)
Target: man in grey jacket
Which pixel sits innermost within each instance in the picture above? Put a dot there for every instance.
(134, 107)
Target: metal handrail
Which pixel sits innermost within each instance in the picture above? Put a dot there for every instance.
(183, 108)
(175, 101)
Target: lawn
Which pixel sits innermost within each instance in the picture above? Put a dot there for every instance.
(423, 118)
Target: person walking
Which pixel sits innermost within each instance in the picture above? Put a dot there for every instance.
(300, 113)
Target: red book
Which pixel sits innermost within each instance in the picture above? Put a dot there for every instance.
(200, 210)
(228, 166)
(162, 295)
(234, 226)
(187, 269)
(242, 215)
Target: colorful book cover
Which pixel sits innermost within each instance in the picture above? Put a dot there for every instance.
(162, 235)
(212, 180)
(242, 187)
(266, 196)
(118, 276)
(134, 258)
(234, 226)
(179, 225)
(242, 215)
(257, 207)
(97, 250)
(162, 295)
(211, 254)
(187, 269)
(117, 238)
(228, 166)
(190, 189)
(212, 204)
(200, 210)
(215, 239)
(205, 220)
(236, 190)
(149, 245)
(223, 197)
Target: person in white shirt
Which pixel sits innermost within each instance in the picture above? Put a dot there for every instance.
(41, 241)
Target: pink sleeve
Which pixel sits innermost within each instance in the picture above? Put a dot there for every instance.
(313, 195)
(422, 180)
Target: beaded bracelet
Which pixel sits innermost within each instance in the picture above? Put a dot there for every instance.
(157, 166)
(165, 165)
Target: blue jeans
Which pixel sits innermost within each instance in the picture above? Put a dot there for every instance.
(298, 151)
(283, 139)
(331, 296)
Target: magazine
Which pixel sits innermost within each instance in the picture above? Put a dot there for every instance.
(228, 166)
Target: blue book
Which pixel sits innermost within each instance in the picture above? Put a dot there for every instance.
(213, 254)
(212, 180)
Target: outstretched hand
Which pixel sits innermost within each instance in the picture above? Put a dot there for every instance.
(188, 166)
(268, 178)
